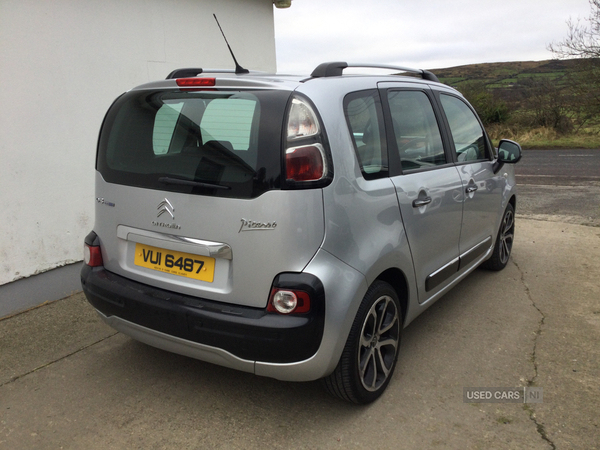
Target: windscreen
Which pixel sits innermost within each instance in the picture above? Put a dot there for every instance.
(215, 143)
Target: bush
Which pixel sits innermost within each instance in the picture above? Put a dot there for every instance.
(546, 106)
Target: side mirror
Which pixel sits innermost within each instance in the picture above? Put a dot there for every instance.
(509, 152)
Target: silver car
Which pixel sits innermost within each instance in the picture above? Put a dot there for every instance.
(288, 226)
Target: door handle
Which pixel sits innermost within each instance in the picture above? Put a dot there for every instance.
(471, 188)
(421, 202)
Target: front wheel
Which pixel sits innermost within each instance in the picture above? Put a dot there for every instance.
(504, 241)
(369, 357)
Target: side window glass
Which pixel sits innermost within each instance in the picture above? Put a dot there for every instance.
(365, 121)
(468, 136)
(416, 130)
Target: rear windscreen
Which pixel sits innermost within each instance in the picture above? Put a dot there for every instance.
(216, 143)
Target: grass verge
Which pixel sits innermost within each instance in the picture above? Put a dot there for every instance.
(544, 138)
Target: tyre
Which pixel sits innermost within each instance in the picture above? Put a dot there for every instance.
(504, 241)
(369, 357)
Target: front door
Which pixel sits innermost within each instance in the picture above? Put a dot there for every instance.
(482, 188)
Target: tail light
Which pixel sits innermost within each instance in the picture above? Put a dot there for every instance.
(287, 301)
(305, 163)
(305, 156)
(92, 255)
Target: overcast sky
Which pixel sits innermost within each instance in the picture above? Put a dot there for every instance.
(426, 34)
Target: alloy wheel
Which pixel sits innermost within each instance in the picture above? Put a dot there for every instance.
(378, 344)
(506, 236)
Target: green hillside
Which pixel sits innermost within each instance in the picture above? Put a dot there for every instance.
(553, 103)
(505, 75)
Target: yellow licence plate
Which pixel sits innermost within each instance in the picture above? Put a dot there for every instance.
(176, 263)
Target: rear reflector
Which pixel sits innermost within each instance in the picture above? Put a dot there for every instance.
(305, 163)
(92, 255)
(195, 82)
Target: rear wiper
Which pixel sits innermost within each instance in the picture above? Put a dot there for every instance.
(169, 180)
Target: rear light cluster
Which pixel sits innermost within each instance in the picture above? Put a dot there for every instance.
(288, 301)
(92, 255)
(304, 154)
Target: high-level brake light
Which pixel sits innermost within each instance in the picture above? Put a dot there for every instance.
(195, 82)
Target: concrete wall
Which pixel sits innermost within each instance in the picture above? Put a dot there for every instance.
(62, 63)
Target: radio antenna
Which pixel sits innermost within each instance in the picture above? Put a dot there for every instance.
(238, 69)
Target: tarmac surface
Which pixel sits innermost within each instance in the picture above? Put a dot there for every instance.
(69, 381)
(560, 185)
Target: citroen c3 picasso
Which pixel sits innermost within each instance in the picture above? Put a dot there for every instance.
(289, 226)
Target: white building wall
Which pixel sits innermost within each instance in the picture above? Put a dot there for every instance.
(62, 63)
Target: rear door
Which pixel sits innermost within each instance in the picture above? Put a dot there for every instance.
(428, 186)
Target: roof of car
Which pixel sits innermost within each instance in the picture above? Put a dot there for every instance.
(225, 78)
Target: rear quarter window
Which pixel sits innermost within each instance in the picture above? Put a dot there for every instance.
(365, 121)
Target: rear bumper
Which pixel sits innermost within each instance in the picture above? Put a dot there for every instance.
(220, 333)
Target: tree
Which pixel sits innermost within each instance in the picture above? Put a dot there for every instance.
(583, 40)
(548, 104)
(584, 87)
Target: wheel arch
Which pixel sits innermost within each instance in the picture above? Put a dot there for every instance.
(396, 278)
(513, 202)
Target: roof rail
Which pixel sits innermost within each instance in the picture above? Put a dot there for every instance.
(335, 69)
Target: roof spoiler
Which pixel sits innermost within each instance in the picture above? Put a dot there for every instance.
(184, 73)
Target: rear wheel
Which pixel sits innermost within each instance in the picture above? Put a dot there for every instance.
(369, 357)
(504, 241)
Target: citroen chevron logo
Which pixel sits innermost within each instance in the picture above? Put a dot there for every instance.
(165, 207)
